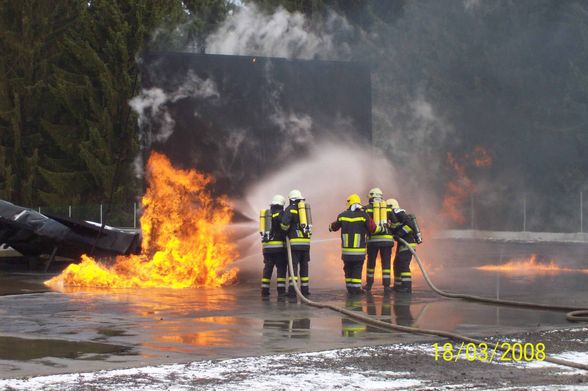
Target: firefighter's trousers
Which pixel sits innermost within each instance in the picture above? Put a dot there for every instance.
(280, 262)
(300, 260)
(352, 271)
(385, 256)
(402, 274)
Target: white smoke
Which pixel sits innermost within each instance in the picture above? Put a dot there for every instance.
(415, 135)
(155, 120)
(471, 4)
(250, 31)
(154, 116)
(296, 128)
(326, 177)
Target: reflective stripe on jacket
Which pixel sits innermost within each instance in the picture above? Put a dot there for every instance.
(299, 240)
(355, 225)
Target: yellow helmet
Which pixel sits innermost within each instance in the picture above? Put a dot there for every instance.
(376, 192)
(353, 199)
(393, 203)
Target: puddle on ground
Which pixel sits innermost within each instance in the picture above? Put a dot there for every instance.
(22, 349)
(14, 284)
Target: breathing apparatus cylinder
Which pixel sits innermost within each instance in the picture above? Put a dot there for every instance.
(376, 208)
(265, 222)
(262, 222)
(412, 222)
(268, 221)
(308, 215)
(302, 214)
(383, 213)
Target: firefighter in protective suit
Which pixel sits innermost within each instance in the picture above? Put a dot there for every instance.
(274, 249)
(403, 226)
(299, 234)
(381, 242)
(355, 224)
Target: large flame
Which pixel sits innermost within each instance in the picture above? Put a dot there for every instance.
(530, 265)
(458, 190)
(462, 186)
(185, 241)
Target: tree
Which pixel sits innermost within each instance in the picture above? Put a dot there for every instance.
(28, 41)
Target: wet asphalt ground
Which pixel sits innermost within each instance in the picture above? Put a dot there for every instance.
(44, 332)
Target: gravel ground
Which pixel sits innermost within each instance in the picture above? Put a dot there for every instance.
(398, 366)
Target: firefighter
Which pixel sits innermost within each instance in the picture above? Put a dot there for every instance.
(274, 249)
(355, 224)
(403, 226)
(299, 231)
(381, 242)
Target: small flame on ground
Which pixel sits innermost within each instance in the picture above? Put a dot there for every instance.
(185, 242)
(530, 265)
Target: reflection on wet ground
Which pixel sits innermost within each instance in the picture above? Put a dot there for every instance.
(54, 331)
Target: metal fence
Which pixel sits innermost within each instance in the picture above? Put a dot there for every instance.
(510, 212)
(526, 212)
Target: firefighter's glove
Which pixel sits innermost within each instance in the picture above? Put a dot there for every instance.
(419, 238)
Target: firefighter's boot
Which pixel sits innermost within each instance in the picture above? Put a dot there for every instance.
(405, 287)
(388, 290)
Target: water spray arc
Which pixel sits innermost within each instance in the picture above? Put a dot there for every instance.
(454, 336)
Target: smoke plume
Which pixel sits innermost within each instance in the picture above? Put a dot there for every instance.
(251, 32)
(154, 118)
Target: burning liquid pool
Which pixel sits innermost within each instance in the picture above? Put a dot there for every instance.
(184, 238)
(530, 265)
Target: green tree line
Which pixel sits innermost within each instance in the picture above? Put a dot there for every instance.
(67, 71)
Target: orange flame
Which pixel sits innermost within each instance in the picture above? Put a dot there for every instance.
(481, 157)
(520, 266)
(459, 189)
(185, 242)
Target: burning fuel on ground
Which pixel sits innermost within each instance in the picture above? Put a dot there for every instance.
(185, 243)
(530, 266)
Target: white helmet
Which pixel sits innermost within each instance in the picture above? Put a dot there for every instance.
(295, 195)
(392, 202)
(376, 192)
(278, 199)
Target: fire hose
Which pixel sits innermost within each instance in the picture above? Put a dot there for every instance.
(366, 319)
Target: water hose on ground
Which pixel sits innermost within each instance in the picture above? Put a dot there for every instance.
(415, 330)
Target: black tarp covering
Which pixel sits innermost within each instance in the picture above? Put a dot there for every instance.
(33, 233)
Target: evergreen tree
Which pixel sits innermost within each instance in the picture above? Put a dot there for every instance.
(29, 36)
(67, 72)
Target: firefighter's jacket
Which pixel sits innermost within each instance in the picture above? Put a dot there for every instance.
(384, 238)
(355, 226)
(401, 227)
(299, 238)
(276, 242)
